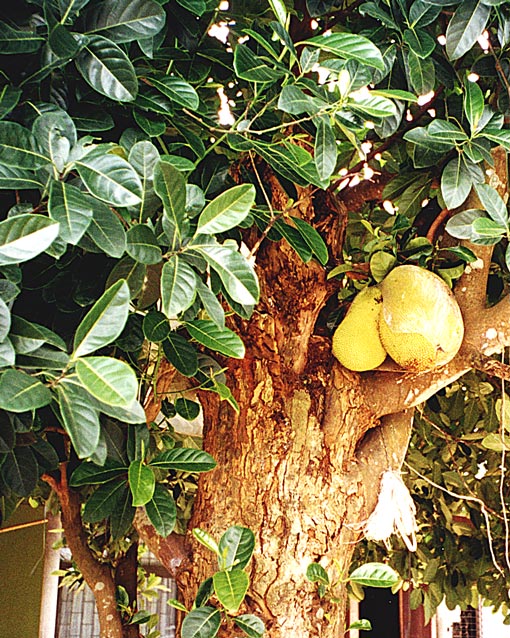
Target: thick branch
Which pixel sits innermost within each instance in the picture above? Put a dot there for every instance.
(97, 576)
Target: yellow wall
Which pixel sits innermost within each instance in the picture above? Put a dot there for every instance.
(21, 563)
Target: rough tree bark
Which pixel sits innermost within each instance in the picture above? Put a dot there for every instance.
(301, 463)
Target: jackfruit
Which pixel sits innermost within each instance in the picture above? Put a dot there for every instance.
(356, 341)
(420, 324)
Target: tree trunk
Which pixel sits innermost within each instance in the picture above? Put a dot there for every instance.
(288, 464)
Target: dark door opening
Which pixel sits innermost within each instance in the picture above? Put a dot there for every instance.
(381, 607)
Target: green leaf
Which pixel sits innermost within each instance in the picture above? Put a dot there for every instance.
(155, 326)
(206, 540)
(17, 147)
(184, 459)
(487, 228)
(91, 474)
(106, 230)
(230, 588)
(420, 42)
(295, 101)
(252, 625)
(203, 622)
(362, 625)
(236, 274)
(142, 244)
(499, 136)
(80, 417)
(456, 182)
(103, 502)
(186, 408)
(211, 304)
(20, 471)
(473, 103)
(181, 354)
(110, 178)
(104, 322)
(17, 41)
(178, 286)
(349, 46)
(142, 482)
(493, 204)
(227, 210)
(465, 27)
(162, 511)
(249, 66)
(461, 224)
(421, 73)
(122, 516)
(7, 434)
(170, 185)
(23, 237)
(209, 335)
(280, 10)
(55, 135)
(5, 320)
(236, 548)
(71, 208)
(374, 575)
(110, 380)
(372, 106)
(313, 239)
(12, 178)
(446, 132)
(19, 392)
(126, 20)
(63, 43)
(325, 148)
(317, 574)
(28, 336)
(177, 89)
(107, 69)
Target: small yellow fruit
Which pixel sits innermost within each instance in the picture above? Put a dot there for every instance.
(420, 324)
(356, 342)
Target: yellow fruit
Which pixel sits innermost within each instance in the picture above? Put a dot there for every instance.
(420, 324)
(356, 342)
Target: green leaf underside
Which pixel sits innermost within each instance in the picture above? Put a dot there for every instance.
(230, 588)
(142, 482)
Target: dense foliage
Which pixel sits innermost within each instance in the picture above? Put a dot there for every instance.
(126, 199)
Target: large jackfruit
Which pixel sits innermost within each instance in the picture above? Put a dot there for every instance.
(420, 324)
(356, 341)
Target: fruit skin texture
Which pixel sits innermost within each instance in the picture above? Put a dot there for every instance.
(420, 323)
(356, 341)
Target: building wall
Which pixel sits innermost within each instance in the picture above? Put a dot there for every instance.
(21, 567)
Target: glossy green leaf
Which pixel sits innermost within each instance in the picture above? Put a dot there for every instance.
(25, 236)
(230, 588)
(185, 460)
(209, 335)
(142, 482)
(211, 305)
(484, 227)
(80, 417)
(295, 101)
(178, 286)
(236, 548)
(325, 148)
(55, 135)
(91, 474)
(420, 42)
(235, 272)
(110, 380)
(421, 73)
(461, 224)
(103, 501)
(107, 69)
(446, 131)
(156, 326)
(17, 41)
(7, 434)
(206, 540)
(5, 320)
(104, 321)
(162, 511)
(19, 392)
(169, 184)
(142, 244)
(317, 574)
(465, 27)
(498, 136)
(106, 230)
(227, 210)
(361, 625)
(181, 354)
(12, 178)
(110, 178)
(178, 90)
(186, 408)
(197, 7)
(249, 66)
(372, 106)
(375, 575)
(253, 626)
(349, 47)
(63, 43)
(493, 204)
(17, 147)
(203, 622)
(473, 103)
(144, 156)
(126, 20)
(312, 239)
(20, 471)
(71, 208)
(123, 514)
(456, 182)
